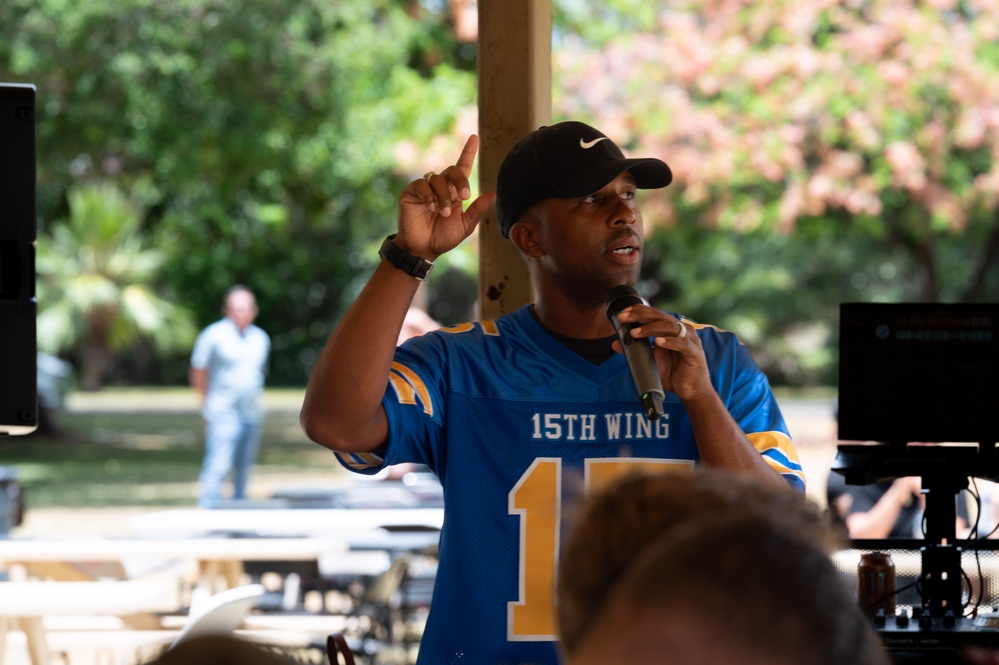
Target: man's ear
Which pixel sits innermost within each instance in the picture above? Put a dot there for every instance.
(524, 234)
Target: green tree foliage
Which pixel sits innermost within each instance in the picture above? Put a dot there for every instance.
(823, 151)
(274, 135)
(96, 275)
(867, 133)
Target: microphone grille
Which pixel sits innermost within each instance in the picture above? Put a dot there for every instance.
(620, 297)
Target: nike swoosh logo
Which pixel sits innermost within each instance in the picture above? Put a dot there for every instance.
(586, 145)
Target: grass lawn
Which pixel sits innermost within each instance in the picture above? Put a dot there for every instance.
(143, 447)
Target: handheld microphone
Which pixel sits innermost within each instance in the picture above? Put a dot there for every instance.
(637, 352)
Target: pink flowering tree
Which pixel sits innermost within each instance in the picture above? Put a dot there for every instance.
(881, 117)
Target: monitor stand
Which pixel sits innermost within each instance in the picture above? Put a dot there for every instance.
(944, 470)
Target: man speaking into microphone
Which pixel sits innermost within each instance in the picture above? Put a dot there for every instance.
(514, 414)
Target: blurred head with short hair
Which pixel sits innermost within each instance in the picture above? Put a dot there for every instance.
(614, 524)
(744, 587)
(216, 650)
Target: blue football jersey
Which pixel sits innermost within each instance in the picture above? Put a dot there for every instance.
(518, 427)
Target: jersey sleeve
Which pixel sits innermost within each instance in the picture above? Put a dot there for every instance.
(746, 392)
(414, 405)
(765, 428)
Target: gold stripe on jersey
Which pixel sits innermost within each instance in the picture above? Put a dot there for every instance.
(458, 328)
(409, 386)
(360, 461)
(701, 326)
(488, 327)
(779, 452)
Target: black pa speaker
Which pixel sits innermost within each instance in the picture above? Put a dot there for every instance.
(18, 230)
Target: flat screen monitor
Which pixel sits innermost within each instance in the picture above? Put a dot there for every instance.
(919, 372)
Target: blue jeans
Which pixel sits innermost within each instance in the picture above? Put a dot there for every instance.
(231, 445)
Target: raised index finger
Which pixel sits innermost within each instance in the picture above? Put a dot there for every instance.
(467, 157)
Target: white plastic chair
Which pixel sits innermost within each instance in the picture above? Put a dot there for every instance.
(221, 614)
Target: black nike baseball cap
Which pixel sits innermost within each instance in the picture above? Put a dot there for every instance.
(566, 160)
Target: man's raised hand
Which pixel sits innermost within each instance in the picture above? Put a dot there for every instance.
(431, 219)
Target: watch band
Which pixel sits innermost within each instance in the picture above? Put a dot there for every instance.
(403, 260)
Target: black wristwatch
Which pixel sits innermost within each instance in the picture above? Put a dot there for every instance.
(403, 260)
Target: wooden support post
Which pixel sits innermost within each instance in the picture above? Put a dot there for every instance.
(514, 99)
